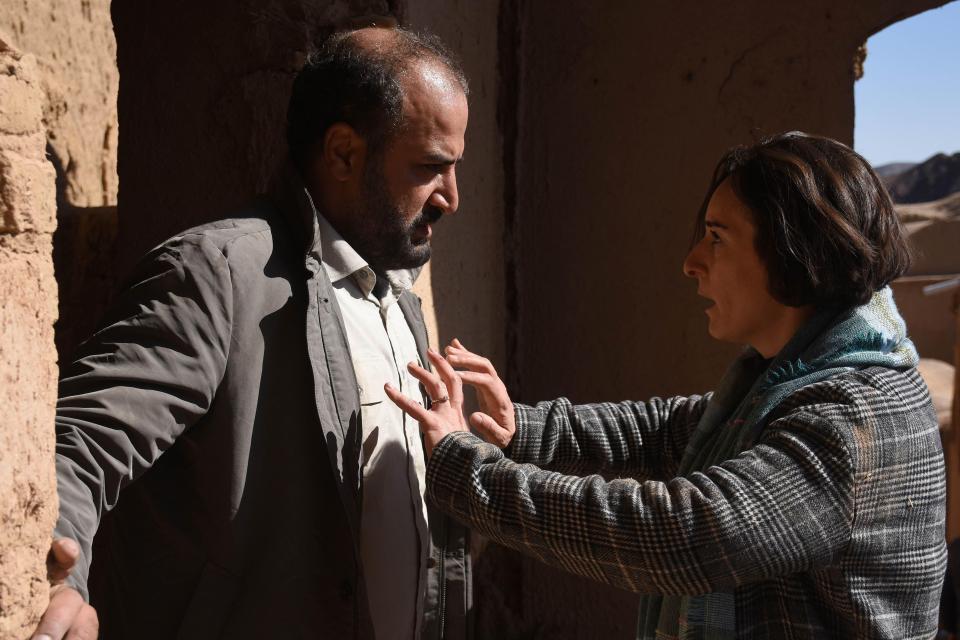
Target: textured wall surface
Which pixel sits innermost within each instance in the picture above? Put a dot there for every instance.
(75, 51)
(623, 110)
(28, 374)
(73, 43)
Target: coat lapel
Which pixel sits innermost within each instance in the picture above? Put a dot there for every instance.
(410, 305)
(335, 384)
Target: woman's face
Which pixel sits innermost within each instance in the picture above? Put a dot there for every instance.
(730, 274)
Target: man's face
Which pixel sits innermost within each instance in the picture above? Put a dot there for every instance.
(411, 184)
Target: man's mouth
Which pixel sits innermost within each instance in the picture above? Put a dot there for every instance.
(421, 233)
(423, 225)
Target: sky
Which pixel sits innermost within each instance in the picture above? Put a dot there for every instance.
(908, 101)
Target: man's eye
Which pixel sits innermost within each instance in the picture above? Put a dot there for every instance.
(714, 237)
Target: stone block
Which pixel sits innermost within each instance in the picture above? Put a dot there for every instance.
(27, 194)
(19, 109)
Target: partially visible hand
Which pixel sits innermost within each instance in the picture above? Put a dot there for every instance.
(445, 414)
(496, 423)
(68, 615)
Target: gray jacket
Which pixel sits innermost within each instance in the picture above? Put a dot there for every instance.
(220, 397)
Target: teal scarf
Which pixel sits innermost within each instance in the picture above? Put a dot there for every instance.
(830, 343)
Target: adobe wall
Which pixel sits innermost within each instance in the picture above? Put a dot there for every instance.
(28, 372)
(75, 51)
(624, 109)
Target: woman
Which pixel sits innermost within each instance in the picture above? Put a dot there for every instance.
(803, 498)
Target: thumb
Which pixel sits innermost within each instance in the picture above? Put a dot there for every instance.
(489, 429)
(64, 553)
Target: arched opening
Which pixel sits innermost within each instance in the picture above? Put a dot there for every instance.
(907, 110)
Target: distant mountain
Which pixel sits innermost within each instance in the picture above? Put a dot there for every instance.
(932, 179)
(893, 169)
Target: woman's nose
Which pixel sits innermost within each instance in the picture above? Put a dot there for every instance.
(693, 264)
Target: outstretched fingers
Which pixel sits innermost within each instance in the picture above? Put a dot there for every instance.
(497, 424)
(490, 430)
(413, 409)
(448, 376)
(432, 383)
(446, 393)
(462, 358)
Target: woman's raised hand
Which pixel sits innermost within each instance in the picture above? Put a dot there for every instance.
(445, 414)
(495, 423)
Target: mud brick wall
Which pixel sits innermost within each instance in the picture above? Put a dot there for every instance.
(28, 372)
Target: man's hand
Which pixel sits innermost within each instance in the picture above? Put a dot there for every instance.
(497, 422)
(67, 616)
(446, 393)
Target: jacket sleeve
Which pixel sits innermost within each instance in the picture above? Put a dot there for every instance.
(784, 506)
(645, 439)
(148, 374)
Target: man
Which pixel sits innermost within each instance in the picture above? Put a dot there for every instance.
(241, 376)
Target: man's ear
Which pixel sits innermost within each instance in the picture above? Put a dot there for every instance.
(343, 153)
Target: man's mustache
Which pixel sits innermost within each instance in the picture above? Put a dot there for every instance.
(429, 215)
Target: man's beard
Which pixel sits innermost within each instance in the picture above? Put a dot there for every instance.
(381, 235)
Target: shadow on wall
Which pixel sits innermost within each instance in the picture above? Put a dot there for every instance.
(207, 141)
(84, 256)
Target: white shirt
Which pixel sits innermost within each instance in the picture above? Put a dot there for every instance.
(394, 537)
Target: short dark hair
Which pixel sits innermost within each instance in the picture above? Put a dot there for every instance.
(344, 81)
(826, 227)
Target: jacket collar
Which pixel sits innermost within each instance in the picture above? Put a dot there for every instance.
(289, 193)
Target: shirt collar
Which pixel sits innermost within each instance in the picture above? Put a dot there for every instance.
(339, 258)
(340, 261)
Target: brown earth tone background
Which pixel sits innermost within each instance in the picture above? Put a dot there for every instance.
(593, 130)
(28, 372)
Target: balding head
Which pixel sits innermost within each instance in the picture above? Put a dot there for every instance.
(360, 78)
(373, 38)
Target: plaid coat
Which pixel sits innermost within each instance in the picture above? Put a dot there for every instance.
(831, 526)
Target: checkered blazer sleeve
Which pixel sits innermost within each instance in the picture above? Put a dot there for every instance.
(644, 439)
(782, 507)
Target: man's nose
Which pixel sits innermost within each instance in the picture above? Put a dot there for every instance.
(446, 197)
